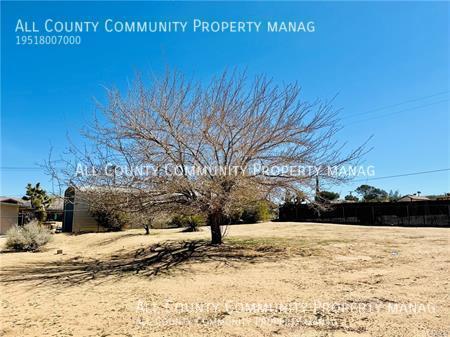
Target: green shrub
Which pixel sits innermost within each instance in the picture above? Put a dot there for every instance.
(264, 212)
(112, 220)
(176, 221)
(258, 211)
(249, 215)
(191, 222)
(30, 237)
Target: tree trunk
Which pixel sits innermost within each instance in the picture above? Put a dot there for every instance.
(147, 229)
(215, 220)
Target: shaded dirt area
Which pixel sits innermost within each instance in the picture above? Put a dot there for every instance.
(268, 279)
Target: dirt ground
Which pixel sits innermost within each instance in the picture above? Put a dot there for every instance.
(269, 279)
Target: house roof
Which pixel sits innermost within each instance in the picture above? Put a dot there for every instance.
(412, 197)
(57, 203)
(9, 200)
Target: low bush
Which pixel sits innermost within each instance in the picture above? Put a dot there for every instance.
(176, 221)
(255, 212)
(111, 220)
(191, 222)
(30, 237)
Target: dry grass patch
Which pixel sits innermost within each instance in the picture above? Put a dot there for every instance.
(275, 246)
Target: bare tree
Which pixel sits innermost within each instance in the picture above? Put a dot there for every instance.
(206, 148)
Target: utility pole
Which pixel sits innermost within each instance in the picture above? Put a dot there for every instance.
(317, 187)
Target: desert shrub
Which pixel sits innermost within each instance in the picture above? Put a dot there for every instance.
(249, 215)
(111, 220)
(191, 222)
(176, 221)
(30, 237)
(254, 212)
(264, 213)
(235, 216)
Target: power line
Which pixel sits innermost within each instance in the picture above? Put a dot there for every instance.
(19, 168)
(404, 174)
(398, 104)
(24, 168)
(397, 112)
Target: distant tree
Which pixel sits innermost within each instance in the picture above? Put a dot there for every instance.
(289, 198)
(293, 199)
(147, 227)
(39, 200)
(394, 196)
(371, 193)
(351, 197)
(327, 196)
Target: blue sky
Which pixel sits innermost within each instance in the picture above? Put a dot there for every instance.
(389, 63)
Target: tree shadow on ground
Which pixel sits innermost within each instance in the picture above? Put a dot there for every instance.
(120, 237)
(151, 261)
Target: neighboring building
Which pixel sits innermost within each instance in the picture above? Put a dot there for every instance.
(9, 213)
(55, 211)
(412, 197)
(77, 217)
(15, 211)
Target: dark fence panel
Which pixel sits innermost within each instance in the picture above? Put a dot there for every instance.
(434, 213)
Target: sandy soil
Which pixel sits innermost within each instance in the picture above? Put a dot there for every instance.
(270, 279)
